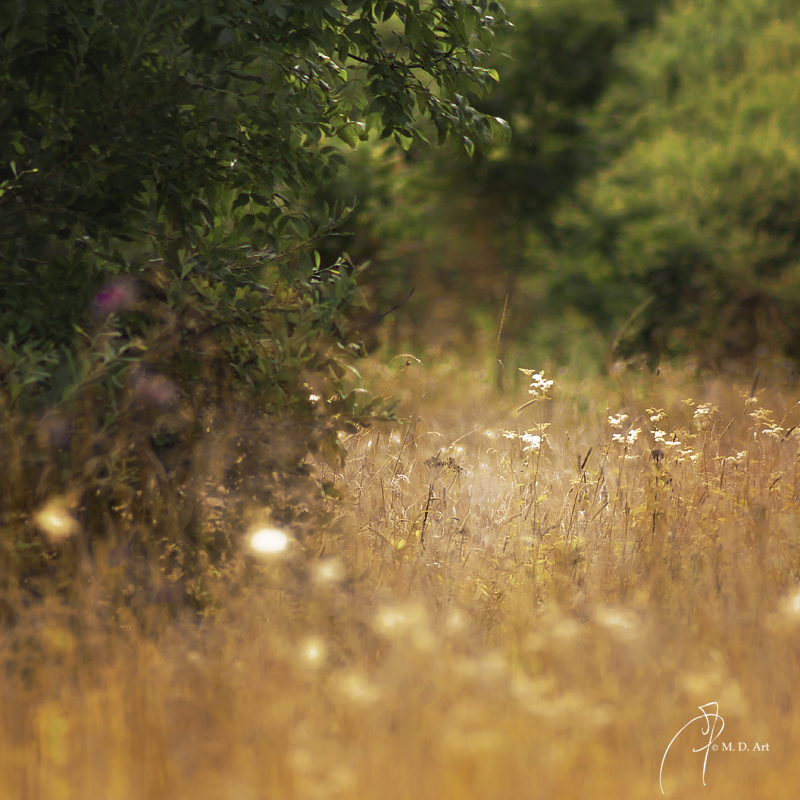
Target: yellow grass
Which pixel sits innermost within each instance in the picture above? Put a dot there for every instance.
(480, 622)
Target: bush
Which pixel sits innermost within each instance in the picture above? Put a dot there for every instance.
(691, 232)
(166, 322)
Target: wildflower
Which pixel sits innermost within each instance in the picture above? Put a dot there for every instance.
(656, 414)
(762, 415)
(533, 442)
(626, 438)
(618, 421)
(328, 571)
(661, 438)
(705, 411)
(704, 415)
(539, 386)
(269, 542)
(313, 652)
(55, 519)
(117, 296)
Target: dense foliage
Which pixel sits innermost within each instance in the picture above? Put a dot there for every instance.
(694, 226)
(459, 228)
(159, 291)
(644, 204)
(134, 129)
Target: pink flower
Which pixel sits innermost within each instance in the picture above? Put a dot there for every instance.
(118, 295)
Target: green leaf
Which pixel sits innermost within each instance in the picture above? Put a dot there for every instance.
(349, 134)
(242, 200)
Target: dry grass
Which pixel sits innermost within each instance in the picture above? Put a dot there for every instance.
(481, 621)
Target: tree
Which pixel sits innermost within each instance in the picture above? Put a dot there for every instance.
(135, 129)
(688, 241)
(556, 66)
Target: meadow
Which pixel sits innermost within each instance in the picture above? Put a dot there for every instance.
(518, 595)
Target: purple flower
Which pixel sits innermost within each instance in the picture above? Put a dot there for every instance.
(118, 295)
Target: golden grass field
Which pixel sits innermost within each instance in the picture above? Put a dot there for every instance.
(489, 616)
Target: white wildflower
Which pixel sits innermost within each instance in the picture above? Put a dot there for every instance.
(533, 442)
(738, 458)
(539, 385)
(618, 421)
(269, 541)
(705, 411)
(633, 435)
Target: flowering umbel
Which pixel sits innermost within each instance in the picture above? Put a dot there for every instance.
(539, 386)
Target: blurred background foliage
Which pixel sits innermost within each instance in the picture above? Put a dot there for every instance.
(646, 206)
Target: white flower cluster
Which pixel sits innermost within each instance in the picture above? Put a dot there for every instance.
(704, 416)
(539, 385)
(626, 438)
(705, 411)
(532, 441)
(661, 438)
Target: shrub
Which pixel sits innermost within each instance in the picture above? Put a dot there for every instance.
(166, 322)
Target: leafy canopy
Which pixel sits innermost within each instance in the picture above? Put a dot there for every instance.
(691, 236)
(134, 128)
(159, 161)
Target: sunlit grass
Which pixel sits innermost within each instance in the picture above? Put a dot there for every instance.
(488, 615)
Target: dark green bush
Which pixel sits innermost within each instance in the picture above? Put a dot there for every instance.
(166, 324)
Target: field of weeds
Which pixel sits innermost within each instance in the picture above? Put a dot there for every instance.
(526, 595)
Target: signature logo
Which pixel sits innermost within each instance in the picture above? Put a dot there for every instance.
(713, 725)
(710, 717)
